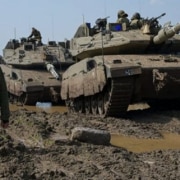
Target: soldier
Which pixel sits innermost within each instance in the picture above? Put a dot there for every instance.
(122, 18)
(136, 21)
(4, 102)
(36, 36)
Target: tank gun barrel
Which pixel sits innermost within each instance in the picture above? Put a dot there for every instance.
(52, 70)
(166, 33)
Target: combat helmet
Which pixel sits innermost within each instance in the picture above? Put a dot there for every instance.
(136, 16)
(121, 14)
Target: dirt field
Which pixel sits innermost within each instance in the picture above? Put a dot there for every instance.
(37, 146)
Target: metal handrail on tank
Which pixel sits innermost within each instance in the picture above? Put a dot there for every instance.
(101, 25)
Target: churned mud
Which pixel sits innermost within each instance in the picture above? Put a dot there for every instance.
(144, 145)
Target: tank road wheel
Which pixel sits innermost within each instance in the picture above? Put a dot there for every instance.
(79, 105)
(94, 104)
(31, 98)
(69, 103)
(87, 105)
(101, 104)
(12, 99)
(107, 95)
(23, 99)
(76, 105)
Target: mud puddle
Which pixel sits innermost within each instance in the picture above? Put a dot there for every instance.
(63, 109)
(134, 144)
(137, 145)
(52, 109)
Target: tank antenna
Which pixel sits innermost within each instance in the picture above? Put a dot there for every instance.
(105, 8)
(102, 45)
(101, 25)
(14, 33)
(83, 18)
(52, 26)
(84, 29)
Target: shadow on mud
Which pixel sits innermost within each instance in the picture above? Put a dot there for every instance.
(160, 114)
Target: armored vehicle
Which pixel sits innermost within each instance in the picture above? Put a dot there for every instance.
(33, 72)
(119, 65)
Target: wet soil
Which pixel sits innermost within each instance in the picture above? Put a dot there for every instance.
(144, 145)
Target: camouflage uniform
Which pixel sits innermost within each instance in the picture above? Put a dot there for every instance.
(136, 21)
(4, 102)
(122, 18)
(36, 34)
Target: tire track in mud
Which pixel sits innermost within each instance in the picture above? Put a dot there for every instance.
(28, 151)
(140, 122)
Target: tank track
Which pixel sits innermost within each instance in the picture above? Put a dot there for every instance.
(119, 96)
(25, 99)
(112, 101)
(31, 98)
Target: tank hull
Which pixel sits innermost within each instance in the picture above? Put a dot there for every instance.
(30, 86)
(123, 80)
(163, 83)
(160, 77)
(100, 86)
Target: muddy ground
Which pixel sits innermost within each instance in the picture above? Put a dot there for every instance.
(37, 146)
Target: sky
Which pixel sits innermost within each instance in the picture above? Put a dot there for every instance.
(58, 20)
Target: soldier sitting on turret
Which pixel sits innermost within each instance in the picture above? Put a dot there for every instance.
(36, 36)
(122, 18)
(136, 21)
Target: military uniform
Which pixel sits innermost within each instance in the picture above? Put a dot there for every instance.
(122, 18)
(136, 21)
(36, 35)
(4, 102)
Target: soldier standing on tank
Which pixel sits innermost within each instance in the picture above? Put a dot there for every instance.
(136, 21)
(4, 102)
(36, 36)
(122, 18)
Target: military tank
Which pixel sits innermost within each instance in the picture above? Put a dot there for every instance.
(119, 65)
(33, 72)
